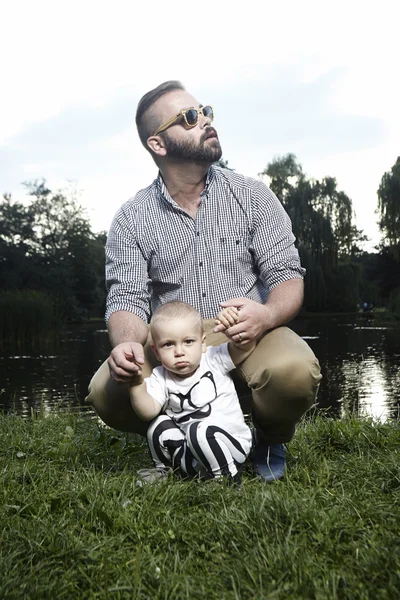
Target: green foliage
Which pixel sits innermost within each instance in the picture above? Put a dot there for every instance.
(285, 174)
(381, 276)
(389, 207)
(223, 164)
(16, 233)
(388, 275)
(26, 317)
(394, 303)
(76, 524)
(315, 290)
(47, 245)
(322, 216)
(343, 284)
(322, 219)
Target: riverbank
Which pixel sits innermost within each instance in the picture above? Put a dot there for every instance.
(76, 524)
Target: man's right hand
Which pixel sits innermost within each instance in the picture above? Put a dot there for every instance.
(125, 361)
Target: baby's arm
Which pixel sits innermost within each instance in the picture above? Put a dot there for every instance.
(142, 403)
(227, 317)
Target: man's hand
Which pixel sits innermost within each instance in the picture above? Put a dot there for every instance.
(253, 321)
(125, 361)
(283, 304)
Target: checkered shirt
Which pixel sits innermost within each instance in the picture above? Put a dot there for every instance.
(240, 244)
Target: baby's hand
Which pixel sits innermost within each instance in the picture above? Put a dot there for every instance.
(137, 379)
(227, 317)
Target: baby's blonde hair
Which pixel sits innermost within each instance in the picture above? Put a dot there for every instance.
(175, 310)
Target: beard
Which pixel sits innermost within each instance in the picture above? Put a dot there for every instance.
(207, 152)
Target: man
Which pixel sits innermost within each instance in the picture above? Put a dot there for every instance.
(211, 238)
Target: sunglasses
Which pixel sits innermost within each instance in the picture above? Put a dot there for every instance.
(190, 116)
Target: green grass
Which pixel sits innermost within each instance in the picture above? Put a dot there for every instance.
(75, 524)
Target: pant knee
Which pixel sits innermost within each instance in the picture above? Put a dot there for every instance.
(295, 378)
(112, 404)
(162, 423)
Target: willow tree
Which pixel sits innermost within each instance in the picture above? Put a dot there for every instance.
(322, 215)
(389, 207)
(389, 210)
(322, 218)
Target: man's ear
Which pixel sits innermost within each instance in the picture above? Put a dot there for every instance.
(153, 347)
(203, 343)
(156, 145)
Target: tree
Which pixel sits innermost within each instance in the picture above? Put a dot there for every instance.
(58, 219)
(49, 246)
(389, 207)
(223, 164)
(322, 216)
(16, 235)
(285, 174)
(322, 219)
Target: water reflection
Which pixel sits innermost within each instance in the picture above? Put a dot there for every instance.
(359, 361)
(53, 379)
(374, 397)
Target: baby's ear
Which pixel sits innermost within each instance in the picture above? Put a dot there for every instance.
(203, 343)
(153, 347)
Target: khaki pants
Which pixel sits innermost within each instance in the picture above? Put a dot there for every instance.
(282, 373)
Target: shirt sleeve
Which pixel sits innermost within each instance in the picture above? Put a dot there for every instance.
(126, 270)
(219, 359)
(273, 246)
(155, 386)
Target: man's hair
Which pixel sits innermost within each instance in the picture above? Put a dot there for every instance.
(175, 310)
(146, 121)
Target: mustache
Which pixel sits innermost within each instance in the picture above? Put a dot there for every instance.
(209, 132)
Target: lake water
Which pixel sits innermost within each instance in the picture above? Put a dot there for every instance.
(359, 356)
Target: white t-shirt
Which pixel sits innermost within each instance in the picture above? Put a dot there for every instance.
(207, 394)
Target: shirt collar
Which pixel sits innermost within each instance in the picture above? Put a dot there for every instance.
(162, 188)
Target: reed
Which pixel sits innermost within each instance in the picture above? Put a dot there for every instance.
(26, 317)
(394, 303)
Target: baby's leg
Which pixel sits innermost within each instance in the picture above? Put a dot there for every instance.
(168, 447)
(216, 449)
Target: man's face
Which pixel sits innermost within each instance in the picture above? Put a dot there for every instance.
(178, 344)
(199, 143)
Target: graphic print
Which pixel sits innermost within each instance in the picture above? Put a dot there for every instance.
(199, 397)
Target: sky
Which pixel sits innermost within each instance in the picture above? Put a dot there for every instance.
(318, 79)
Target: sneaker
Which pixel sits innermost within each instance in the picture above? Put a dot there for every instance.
(269, 460)
(151, 476)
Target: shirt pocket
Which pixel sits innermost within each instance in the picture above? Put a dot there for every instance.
(234, 254)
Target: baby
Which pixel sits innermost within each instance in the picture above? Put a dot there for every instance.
(201, 431)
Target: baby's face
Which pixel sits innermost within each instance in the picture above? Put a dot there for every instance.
(178, 344)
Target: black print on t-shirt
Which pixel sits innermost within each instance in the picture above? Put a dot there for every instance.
(208, 390)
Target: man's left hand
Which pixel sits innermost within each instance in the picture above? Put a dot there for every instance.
(254, 320)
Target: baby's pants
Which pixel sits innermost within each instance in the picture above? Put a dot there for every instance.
(205, 449)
